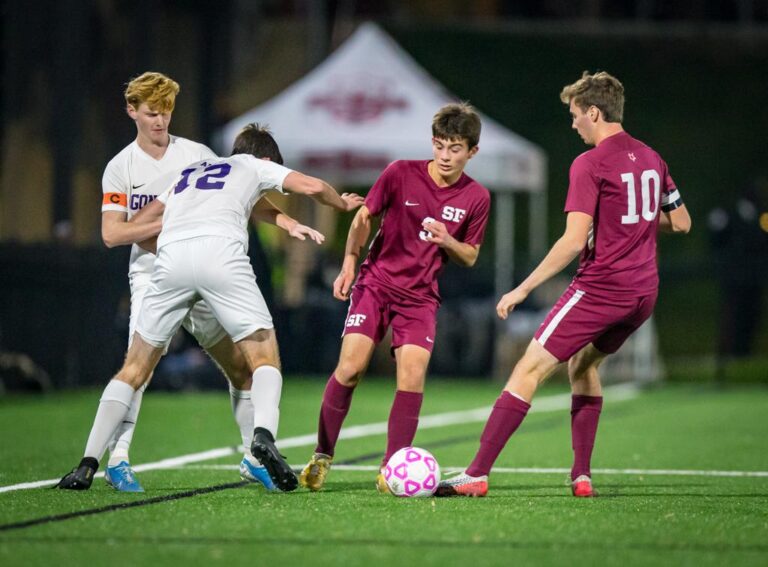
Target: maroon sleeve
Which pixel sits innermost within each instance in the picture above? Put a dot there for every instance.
(669, 184)
(380, 195)
(583, 187)
(478, 221)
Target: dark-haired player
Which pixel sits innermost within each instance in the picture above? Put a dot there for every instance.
(201, 254)
(430, 211)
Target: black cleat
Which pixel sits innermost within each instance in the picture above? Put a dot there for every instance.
(263, 448)
(81, 477)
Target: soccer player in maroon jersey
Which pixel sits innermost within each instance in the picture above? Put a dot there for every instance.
(613, 202)
(430, 212)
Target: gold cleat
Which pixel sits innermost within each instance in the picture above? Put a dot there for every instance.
(313, 475)
(381, 484)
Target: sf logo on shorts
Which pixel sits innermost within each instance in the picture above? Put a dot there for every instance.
(355, 320)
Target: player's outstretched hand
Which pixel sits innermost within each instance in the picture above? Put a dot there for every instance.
(438, 233)
(301, 232)
(352, 200)
(343, 283)
(509, 301)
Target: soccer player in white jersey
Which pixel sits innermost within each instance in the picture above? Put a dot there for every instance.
(202, 255)
(133, 178)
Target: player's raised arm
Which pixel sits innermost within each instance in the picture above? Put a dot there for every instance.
(266, 211)
(359, 232)
(562, 253)
(319, 190)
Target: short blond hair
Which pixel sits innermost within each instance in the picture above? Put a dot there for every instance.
(601, 90)
(158, 91)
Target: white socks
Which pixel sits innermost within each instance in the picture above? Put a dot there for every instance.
(113, 408)
(265, 397)
(121, 442)
(242, 409)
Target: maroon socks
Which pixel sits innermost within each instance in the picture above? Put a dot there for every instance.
(507, 415)
(336, 402)
(585, 413)
(403, 421)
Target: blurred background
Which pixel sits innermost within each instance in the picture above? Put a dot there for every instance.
(696, 78)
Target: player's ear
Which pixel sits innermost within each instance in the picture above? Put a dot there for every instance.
(131, 111)
(473, 151)
(594, 113)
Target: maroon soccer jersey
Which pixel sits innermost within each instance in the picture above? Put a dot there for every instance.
(622, 184)
(400, 257)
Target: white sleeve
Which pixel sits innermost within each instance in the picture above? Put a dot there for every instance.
(115, 192)
(163, 197)
(271, 176)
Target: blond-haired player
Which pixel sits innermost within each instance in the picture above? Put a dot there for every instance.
(202, 255)
(132, 179)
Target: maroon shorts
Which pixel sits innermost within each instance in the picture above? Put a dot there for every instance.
(374, 308)
(582, 317)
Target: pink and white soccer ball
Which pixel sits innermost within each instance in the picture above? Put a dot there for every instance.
(412, 472)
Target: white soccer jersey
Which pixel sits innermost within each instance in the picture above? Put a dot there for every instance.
(133, 178)
(215, 198)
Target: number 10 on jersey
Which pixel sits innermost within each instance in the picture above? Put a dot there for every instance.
(649, 181)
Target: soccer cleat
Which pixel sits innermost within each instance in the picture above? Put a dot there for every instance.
(263, 448)
(256, 474)
(381, 484)
(81, 476)
(581, 487)
(121, 477)
(313, 475)
(463, 485)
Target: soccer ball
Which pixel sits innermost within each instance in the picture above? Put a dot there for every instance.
(412, 472)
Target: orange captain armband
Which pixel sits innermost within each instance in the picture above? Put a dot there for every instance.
(115, 199)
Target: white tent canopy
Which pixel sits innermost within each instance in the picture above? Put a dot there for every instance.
(370, 103)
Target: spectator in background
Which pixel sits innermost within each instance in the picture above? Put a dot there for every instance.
(739, 238)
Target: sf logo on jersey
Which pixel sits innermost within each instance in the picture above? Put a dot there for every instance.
(355, 320)
(453, 214)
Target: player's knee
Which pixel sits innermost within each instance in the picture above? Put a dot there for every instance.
(239, 376)
(348, 373)
(411, 384)
(133, 374)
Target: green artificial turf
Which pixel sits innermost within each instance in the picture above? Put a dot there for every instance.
(527, 518)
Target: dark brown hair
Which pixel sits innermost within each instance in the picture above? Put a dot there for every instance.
(458, 121)
(257, 140)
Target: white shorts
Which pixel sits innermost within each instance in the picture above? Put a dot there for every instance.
(214, 269)
(200, 322)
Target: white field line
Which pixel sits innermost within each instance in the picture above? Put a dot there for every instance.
(557, 402)
(535, 470)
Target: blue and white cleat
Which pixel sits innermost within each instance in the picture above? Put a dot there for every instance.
(252, 473)
(121, 477)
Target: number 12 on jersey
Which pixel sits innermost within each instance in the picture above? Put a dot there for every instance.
(206, 182)
(649, 180)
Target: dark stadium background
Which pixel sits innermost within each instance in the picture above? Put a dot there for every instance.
(696, 79)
